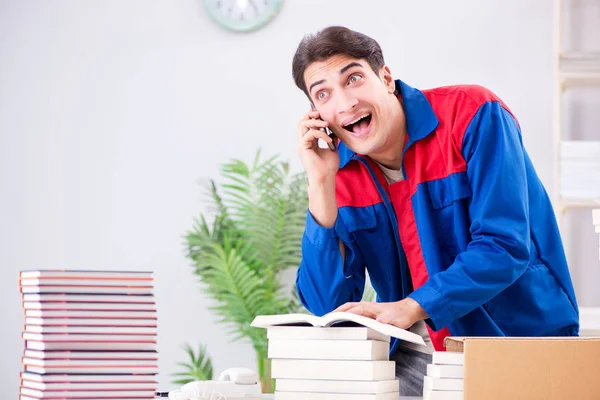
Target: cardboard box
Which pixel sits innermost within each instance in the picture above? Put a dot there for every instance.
(556, 368)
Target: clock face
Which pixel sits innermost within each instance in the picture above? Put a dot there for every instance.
(242, 15)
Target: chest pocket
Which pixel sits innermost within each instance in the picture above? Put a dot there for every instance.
(448, 213)
(358, 218)
(445, 192)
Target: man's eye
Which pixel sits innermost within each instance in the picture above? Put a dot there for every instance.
(354, 78)
(322, 95)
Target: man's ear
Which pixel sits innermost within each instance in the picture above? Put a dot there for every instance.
(388, 80)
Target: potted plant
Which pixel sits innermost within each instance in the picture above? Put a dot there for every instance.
(239, 251)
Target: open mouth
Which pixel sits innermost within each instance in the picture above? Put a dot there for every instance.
(359, 126)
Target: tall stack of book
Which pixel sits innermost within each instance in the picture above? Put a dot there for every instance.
(444, 379)
(596, 221)
(88, 335)
(339, 356)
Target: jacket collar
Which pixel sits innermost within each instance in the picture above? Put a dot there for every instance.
(420, 119)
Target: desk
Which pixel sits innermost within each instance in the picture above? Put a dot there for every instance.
(270, 397)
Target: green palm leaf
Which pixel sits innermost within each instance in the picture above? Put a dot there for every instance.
(199, 366)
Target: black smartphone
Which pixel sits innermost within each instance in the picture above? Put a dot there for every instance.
(329, 132)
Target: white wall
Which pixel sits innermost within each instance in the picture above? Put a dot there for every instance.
(111, 111)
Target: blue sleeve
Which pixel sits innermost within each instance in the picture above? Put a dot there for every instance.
(322, 281)
(498, 252)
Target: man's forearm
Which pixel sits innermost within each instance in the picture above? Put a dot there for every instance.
(321, 201)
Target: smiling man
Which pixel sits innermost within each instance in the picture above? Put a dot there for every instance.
(432, 193)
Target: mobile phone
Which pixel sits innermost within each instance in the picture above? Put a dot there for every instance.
(326, 130)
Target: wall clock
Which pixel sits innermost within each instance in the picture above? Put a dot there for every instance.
(242, 15)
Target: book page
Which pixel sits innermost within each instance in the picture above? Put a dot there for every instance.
(387, 329)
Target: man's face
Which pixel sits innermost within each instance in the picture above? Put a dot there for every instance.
(354, 100)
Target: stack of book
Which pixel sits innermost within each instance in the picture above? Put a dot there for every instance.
(339, 356)
(444, 379)
(596, 221)
(88, 334)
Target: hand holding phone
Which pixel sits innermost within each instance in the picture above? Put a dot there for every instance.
(322, 143)
(320, 161)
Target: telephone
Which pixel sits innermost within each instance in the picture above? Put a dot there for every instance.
(321, 143)
(233, 384)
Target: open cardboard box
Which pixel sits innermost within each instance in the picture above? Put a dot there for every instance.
(548, 368)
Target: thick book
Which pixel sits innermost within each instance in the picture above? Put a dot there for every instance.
(329, 386)
(87, 345)
(151, 370)
(78, 386)
(82, 289)
(328, 349)
(448, 384)
(55, 305)
(280, 395)
(88, 394)
(89, 298)
(91, 355)
(442, 395)
(445, 371)
(88, 378)
(90, 314)
(78, 321)
(447, 358)
(85, 274)
(325, 333)
(343, 370)
(104, 329)
(336, 319)
(85, 282)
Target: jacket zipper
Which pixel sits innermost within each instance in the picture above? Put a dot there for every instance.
(404, 271)
(392, 216)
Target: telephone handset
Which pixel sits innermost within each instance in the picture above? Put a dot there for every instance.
(323, 144)
(233, 384)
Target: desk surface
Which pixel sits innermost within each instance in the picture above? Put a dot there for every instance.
(270, 397)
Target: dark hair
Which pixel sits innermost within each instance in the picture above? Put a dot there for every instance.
(332, 41)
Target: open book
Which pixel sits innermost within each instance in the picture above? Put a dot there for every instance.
(336, 319)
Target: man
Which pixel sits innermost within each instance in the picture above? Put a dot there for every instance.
(432, 193)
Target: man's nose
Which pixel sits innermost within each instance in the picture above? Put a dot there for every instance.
(346, 104)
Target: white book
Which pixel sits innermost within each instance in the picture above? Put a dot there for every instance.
(445, 371)
(328, 349)
(76, 386)
(127, 330)
(448, 357)
(325, 333)
(334, 318)
(453, 384)
(74, 273)
(350, 370)
(77, 345)
(122, 290)
(89, 378)
(77, 363)
(442, 395)
(331, 386)
(333, 396)
(42, 282)
(90, 314)
(87, 393)
(23, 397)
(33, 305)
(95, 355)
(86, 337)
(92, 370)
(90, 298)
(117, 322)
